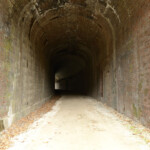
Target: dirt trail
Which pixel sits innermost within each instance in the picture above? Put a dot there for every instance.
(78, 123)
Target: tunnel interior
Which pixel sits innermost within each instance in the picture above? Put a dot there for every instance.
(74, 45)
(97, 48)
(71, 73)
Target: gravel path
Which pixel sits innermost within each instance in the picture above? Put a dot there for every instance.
(78, 123)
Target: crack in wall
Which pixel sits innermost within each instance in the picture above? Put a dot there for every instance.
(109, 6)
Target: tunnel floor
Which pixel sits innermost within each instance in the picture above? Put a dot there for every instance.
(78, 123)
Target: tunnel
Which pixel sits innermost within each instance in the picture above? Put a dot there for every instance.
(73, 52)
(96, 48)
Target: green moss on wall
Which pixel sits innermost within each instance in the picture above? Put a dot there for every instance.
(136, 111)
(1, 125)
(140, 86)
(7, 46)
(146, 92)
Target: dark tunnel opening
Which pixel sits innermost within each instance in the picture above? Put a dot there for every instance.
(72, 71)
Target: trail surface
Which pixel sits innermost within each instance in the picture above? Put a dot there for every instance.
(78, 123)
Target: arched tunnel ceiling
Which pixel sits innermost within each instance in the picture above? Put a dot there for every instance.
(114, 12)
(59, 24)
(70, 27)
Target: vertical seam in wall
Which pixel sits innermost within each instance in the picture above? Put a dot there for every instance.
(114, 55)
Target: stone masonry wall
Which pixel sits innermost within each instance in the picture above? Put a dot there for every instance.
(23, 70)
(133, 66)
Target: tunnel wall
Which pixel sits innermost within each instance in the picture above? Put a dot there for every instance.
(5, 45)
(23, 68)
(132, 59)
